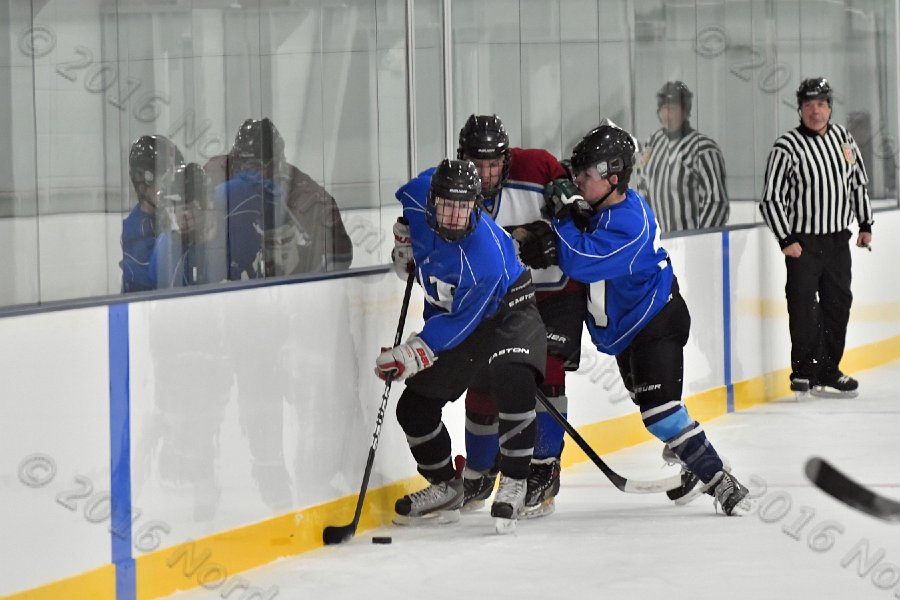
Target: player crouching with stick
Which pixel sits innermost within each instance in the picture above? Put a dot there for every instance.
(479, 314)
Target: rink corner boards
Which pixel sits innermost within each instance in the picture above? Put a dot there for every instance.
(216, 561)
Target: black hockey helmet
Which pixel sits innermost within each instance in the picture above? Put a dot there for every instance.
(456, 181)
(258, 140)
(484, 137)
(814, 88)
(610, 150)
(675, 92)
(151, 157)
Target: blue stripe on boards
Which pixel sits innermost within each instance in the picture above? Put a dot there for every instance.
(726, 319)
(120, 453)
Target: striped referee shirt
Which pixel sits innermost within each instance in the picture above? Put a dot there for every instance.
(815, 184)
(683, 178)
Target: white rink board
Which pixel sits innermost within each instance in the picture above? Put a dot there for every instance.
(54, 401)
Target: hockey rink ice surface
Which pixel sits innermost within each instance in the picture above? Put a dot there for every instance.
(796, 543)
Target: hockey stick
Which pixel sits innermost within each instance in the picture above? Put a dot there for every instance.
(836, 484)
(632, 486)
(335, 534)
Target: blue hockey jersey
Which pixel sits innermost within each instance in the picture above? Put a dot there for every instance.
(628, 272)
(138, 238)
(465, 281)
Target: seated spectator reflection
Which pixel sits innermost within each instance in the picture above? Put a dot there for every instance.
(152, 163)
(682, 171)
(279, 220)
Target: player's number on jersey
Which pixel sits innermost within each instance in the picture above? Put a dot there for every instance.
(443, 291)
(597, 303)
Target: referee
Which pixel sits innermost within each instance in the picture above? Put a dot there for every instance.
(815, 184)
(682, 172)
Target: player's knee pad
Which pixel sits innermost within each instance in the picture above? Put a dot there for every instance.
(515, 388)
(417, 414)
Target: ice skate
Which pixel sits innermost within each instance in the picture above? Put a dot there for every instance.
(699, 488)
(837, 385)
(543, 486)
(800, 387)
(477, 488)
(438, 504)
(508, 502)
(730, 494)
(689, 479)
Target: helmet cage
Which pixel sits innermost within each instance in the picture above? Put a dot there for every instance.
(258, 142)
(152, 162)
(453, 181)
(483, 137)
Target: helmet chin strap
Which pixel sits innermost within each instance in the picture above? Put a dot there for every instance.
(605, 196)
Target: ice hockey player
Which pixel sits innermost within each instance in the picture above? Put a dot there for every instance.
(609, 238)
(513, 182)
(480, 316)
(152, 162)
(300, 226)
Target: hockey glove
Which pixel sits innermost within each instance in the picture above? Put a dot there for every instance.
(405, 360)
(564, 200)
(402, 254)
(537, 244)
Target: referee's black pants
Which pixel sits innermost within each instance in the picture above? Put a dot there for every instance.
(818, 299)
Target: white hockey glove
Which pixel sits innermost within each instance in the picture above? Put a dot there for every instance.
(405, 360)
(402, 254)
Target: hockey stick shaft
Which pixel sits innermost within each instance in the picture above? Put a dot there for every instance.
(626, 485)
(841, 487)
(338, 534)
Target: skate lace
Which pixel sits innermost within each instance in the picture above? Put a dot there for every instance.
(541, 475)
(434, 491)
(723, 492)
(510, 490)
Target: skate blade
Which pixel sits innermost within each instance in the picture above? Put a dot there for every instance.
(472, 506)
(801, 396)
(504, 526)
(545, 508)
(440, 517)
(826, 393)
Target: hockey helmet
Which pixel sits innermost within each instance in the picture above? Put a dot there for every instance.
(814, 88)
(484, 137)
(675, 92)
(608, 149)
(454, 199)
(151, 158)
(258, 140)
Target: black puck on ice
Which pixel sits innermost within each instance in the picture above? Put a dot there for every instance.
(382, 540)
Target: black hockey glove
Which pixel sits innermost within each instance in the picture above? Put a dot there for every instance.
(564, 200)
(537, 244)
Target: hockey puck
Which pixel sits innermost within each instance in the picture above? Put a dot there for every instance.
(382, 540)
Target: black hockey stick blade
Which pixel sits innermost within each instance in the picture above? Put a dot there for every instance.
(834, 483)
(337, 534)
(632, 486)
